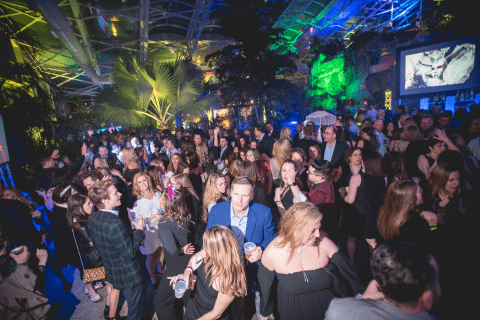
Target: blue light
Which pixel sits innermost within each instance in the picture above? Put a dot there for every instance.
(424, 104)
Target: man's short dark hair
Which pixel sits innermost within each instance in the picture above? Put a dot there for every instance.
(350, 118)
(428, 115)
(308, 130)
(402, 270)
(323, 168)
(401, 107)
(269, 122)
(260, 127)
(94, 175)
(169, 138)
(222, 137)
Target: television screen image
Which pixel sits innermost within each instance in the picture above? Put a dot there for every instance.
(446, 66)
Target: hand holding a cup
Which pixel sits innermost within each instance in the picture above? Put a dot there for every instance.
(255, 255)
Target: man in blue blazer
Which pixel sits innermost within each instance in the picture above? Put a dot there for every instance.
(249, 222)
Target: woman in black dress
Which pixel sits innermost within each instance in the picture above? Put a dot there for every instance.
(365, 194)
(302, 260)
(79, 209)
(173, 229)
(368, 139)
(400, 218)
(220, 276)
(289, 191)
(65, 248)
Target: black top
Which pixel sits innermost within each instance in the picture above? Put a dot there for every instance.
(304, 180)
(65, 247)
(204, 298)
(89, 253)
(300, 299)
(367, 202)
(173, 237)
(305, 144)
(413, 151)
(367, 145)
(129, 174)
(259, 195)
(287, 199)
(195, 209)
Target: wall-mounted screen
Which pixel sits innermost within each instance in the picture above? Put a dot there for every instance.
(447, 66)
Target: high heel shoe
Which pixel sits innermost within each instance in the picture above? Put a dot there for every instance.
(106, 312)
(97, 298)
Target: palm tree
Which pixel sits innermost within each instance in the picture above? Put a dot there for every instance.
(154, 90)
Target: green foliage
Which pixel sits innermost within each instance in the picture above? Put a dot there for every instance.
(151, 92)
(25, 91)
(332, 80)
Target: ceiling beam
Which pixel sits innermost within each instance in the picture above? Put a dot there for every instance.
(144, 23)
(83, 31)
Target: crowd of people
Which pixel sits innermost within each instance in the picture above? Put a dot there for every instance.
(363, 219)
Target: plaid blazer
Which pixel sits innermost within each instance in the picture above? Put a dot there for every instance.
(119, 249)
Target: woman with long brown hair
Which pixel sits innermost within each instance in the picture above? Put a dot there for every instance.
(220, 276)
(368, 139)
(148, 204)
(365, 194)
(301, 259)
(173, 227)
(289, 191)
(173, 166)
(400, 218)
(264, 176)
(192, 201)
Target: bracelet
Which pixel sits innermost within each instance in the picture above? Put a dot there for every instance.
(41, 268)
(189, 268)
(433, 228)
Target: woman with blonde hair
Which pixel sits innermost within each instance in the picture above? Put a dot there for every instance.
(281, 152)
(205, 158)
(131, 163)
(148, 204)
(215, 192)
(220, 276)
(173, 227)
(286, 133)
(302, 260)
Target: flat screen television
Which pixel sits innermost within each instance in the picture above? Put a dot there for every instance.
(441, 67)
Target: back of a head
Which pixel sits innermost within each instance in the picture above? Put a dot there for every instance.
(373, 164)
(249, 170)
(403, 270)
(308, 131)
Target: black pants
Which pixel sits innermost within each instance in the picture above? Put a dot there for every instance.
(136, 301)
(166, 305)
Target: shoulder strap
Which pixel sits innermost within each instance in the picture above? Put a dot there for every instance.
(76, 245)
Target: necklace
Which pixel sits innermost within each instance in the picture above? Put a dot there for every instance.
(305, 278)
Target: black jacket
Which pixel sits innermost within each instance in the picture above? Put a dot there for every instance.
(338, 152)
(266, 145)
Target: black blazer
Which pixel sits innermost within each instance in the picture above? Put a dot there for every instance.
(218, 150)
(338, 152)
(305, 144)
(275, 135)
(266, 145)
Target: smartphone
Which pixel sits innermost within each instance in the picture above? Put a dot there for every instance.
(17, 250)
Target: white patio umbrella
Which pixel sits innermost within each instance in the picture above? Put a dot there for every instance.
(321, 118)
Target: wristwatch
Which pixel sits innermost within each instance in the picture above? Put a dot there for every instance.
(292, 184)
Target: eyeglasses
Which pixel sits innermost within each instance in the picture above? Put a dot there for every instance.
(309, 172)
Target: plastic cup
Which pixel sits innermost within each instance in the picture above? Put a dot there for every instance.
(248, 248)
(416, 180)
(180, 288)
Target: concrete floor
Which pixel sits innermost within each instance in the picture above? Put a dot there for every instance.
(77, 305)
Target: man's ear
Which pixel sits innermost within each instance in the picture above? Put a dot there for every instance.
(427, 299)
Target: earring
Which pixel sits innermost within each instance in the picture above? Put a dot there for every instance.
(295, 234)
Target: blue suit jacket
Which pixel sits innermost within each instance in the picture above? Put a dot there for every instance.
(260, 228)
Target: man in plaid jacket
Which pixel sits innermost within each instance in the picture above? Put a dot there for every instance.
(118, 247)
